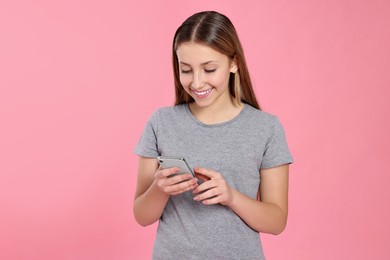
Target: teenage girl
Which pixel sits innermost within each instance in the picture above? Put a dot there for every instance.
(238, 152)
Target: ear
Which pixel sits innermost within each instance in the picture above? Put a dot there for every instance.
(233, 65)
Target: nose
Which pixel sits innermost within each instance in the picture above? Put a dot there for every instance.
(197, 80)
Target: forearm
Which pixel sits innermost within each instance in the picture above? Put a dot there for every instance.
(149, 206)
(261, 216)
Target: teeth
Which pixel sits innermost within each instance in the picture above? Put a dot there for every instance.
(202, 93)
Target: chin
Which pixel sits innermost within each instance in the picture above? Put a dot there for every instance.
(203, 103)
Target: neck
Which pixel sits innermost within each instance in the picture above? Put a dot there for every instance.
(217, 113)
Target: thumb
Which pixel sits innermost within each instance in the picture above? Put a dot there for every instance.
(203, 173)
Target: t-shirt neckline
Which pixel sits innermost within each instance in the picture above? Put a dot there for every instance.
(187, 109)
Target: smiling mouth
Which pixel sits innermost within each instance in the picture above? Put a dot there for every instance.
(202, 93)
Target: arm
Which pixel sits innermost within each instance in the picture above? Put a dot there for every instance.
(269, 215)
(154, 188)
(149, 201)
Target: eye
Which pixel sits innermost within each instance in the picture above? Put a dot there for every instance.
(185, 71)
(210, 71)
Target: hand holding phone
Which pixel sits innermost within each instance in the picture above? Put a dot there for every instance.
(175, 161)
(183, 183)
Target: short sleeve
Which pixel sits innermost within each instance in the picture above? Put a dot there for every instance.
(276, 152)
(147, 144)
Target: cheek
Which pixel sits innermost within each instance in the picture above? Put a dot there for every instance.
(185, 80)
(220, 80)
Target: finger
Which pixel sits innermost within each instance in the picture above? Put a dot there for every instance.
(209, 194)
(211, 201)
(164, 173)
(201, 177)
(206, 172)
(193, 186)
(205, 186)
(182, 187)
(179, 178)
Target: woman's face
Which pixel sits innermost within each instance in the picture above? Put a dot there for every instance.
(204, 73)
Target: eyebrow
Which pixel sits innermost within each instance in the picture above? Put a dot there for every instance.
(204, 63)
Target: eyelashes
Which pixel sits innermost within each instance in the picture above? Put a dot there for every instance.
(189, 71)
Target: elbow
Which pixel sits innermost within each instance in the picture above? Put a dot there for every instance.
(281, 223)
(143, 223)
(278, 229)
(141, 219)
(272, 228)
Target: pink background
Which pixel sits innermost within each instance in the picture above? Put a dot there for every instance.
(79, 80)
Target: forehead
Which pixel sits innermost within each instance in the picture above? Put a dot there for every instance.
(195, 53)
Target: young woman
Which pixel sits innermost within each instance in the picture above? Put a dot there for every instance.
(238, 152)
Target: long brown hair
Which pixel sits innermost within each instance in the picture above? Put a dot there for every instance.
(216, 31)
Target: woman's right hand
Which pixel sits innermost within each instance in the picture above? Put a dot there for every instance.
(176, 184)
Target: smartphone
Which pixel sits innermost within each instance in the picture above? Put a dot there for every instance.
(172, 161)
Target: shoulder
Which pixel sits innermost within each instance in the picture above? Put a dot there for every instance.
(166, 113)
(262, 123)
(169, 111)
(172, 109)
(263, 118)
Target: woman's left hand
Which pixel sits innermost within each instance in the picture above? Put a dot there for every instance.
(214, 189)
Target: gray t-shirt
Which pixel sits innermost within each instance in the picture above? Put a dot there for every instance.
(238, 149)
